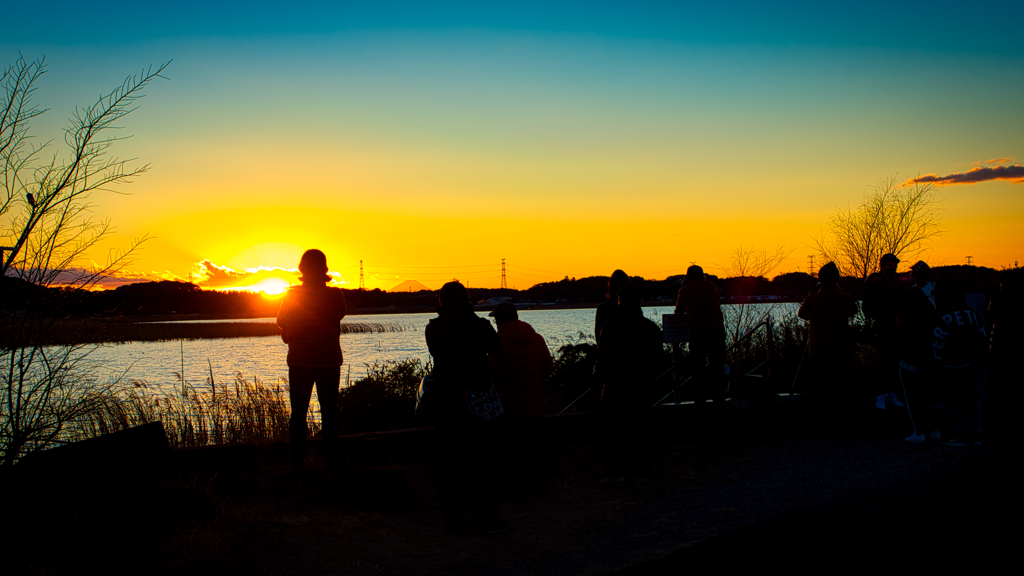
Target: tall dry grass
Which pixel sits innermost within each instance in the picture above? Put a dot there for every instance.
(242, 411)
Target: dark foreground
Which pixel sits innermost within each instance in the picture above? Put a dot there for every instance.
(764, 489)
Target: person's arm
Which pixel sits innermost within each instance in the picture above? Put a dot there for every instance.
(284, 318)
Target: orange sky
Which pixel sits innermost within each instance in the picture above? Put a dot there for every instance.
(433, 153)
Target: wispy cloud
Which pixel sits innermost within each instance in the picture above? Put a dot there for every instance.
(1014, 173)
(999, 160)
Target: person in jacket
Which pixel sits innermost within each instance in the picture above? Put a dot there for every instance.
(828, 310)
(699, 302)
(310, 321)
(630, 356)
(519, 369)
(958, 348)
(915, 319)
(881, 294)
(464, 448)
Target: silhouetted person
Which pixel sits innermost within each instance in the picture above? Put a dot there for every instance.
(915, 320)
(880, 300)
(606, 309)
(519, 369)
(958, 347)
(698, 300)
(310, 321)
(464, 455)
(1006, 341)
(629, 356)
(829, 309)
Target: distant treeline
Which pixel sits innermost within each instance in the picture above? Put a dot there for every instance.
(168, 297)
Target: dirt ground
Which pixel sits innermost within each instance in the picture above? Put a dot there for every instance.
(381, 517)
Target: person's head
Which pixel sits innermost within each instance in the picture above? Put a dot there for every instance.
(629, 296)
(828, 275)
(453, 295)
(919, 273)
(1008, 280)
(313, 266)
(615, 281)
(504, 312)
(694, 274)
(888, 264)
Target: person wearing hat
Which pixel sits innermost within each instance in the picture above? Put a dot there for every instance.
(880, 302)
(828, 310)
(310, 321)
(916, 318)
(518, 370)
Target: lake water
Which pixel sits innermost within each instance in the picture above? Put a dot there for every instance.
(159, 363)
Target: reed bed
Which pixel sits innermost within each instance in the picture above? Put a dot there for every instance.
(243, 411)
(89, 331)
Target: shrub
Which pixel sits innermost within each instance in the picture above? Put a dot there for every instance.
(385, 399)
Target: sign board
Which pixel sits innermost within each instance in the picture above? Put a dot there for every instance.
(675, 328)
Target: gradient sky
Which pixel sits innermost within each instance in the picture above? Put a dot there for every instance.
(433, 140)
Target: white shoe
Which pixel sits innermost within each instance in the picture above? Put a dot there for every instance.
(935, 435)
(880, 402)
(916, 438)
(893, 399)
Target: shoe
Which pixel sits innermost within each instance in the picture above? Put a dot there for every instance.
(952, 442)
(893, 399)
(880, 401)
(935, 435)
(916, 438)
(498, 528)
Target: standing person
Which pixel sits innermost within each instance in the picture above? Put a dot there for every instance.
(698, 300)
(915, 319)
(1006, 321)
(629, 357)
(606, 309)
(880, 296)
(829, 309)
(958, 347)
(518, 370)
(310, 321)
(464, 450)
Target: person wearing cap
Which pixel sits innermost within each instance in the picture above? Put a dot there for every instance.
(518, 370)
(915, 315)
(879, 304)
(699, 302)
(464, 449)
(310, 321)
(828, 310)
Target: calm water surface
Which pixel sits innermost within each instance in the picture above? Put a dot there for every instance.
(159, 363)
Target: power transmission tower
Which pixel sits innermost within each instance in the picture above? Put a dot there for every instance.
(969, 259)
(810, 257)
(362, 283)
(504, 280)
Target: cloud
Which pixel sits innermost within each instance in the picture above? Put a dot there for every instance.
(999, 160)
(1014, 173)
(209, 275)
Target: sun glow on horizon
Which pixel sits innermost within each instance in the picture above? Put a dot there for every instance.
(270, 287)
